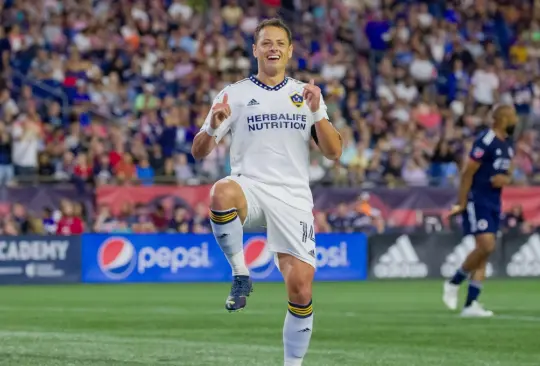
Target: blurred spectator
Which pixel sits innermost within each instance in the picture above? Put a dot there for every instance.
(159, 219)
(512, 221)
(20, 218)
(69, 224)
(180, 221)
(125, 170)
(145, 173)
(49, 223)
(6, 165)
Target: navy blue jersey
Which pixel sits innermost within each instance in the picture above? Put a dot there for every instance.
(495, 156)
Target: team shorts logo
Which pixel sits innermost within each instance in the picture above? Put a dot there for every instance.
(482, 224)
(297, 99)
(116, 258)
(259, 259)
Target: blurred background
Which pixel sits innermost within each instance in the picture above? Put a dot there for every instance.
(100, 101)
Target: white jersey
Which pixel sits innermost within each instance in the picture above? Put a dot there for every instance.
(271, 131)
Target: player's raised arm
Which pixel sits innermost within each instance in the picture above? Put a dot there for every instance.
(326, 136)
(215, 126)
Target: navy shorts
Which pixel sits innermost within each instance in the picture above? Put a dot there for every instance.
(479, 219)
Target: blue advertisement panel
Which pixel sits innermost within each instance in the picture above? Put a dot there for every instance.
(198, 258)
(40, 259)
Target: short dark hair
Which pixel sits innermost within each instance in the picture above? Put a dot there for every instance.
(273, 22)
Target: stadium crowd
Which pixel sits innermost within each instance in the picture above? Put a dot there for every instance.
(113, 91)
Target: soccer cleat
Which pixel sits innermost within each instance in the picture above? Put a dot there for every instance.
(240, 290)
(450, 295)
(476, 310)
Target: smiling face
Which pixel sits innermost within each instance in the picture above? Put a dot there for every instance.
(272, 49)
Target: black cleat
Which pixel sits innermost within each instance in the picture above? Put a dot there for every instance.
(240, 290)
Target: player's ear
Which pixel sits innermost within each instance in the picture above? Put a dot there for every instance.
(290, 51)
(254, 48)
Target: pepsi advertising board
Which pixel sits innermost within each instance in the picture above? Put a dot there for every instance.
(198, 258)
(40, 259)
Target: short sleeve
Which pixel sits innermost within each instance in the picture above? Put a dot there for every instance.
(479, 151)
(225, 127)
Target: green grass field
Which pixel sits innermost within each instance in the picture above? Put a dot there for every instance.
(371, 323)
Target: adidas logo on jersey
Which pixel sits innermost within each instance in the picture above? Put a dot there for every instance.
(252, 102)
(526, 261)
(400, 261)
(455, 259)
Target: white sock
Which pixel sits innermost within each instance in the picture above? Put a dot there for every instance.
(229, 234)
(297, 333)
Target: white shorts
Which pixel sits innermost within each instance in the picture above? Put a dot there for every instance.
(289, 230)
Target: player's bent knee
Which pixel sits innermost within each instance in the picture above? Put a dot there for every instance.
(225, 194)
(298, 277)
(299, 292)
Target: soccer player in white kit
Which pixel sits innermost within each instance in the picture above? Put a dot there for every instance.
(271, 119)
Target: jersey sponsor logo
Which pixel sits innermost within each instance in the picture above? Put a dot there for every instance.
(297, 99)
(270, 121)
(400, 261)
(526, 261)
(455, 259)
(478, 153)
(252, 102)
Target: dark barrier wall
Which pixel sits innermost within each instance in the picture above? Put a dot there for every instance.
(37, 198)
(40, 259)
(395, 256)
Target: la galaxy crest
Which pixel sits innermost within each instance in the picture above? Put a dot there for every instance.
(297, 99)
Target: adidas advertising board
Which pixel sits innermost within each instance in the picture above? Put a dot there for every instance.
(522, 255)
(457, 256)
(424, 255)
(396, 257)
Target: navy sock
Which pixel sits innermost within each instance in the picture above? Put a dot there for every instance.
(460, 276)
(475, 287)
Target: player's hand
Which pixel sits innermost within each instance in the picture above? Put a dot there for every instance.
(312, 96)
(456, 210)
(500, 180)
(220, 112)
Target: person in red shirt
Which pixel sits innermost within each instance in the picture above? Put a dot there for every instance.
(125, 171)
(69, 224)
(83, 170)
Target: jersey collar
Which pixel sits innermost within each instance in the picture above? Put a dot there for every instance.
(267, 87)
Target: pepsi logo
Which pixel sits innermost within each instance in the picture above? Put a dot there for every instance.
(116, 258)
(259, 259)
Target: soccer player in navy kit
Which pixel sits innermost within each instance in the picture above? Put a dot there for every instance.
(488, 169)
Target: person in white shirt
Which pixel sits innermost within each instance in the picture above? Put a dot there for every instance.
(272, 119)
(485, 86)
